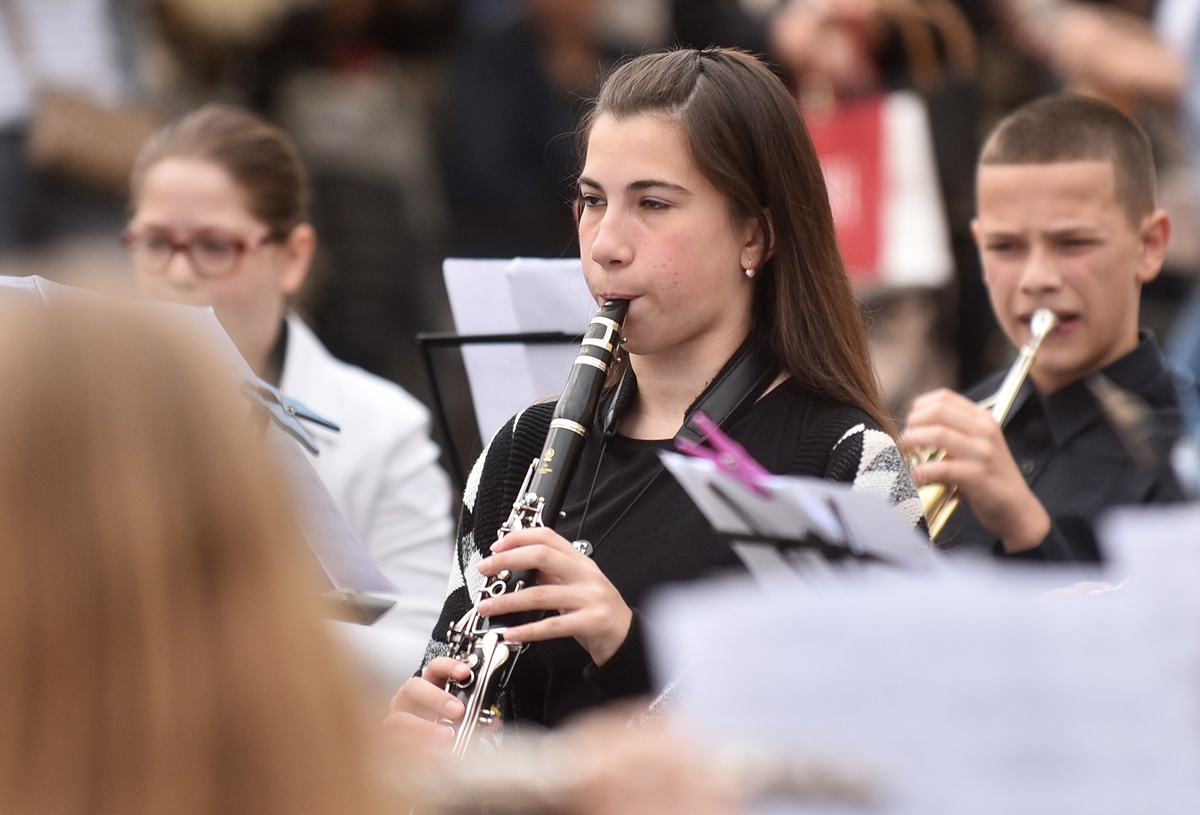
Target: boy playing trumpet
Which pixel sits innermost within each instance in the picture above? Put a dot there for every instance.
(1066, 220)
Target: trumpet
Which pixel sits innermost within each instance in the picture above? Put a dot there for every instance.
(941, 500)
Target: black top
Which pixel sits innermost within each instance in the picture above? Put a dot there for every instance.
(645, 529)
(1073, 459)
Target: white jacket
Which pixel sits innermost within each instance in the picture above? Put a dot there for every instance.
(383, 473)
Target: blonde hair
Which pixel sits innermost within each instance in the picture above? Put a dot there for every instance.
(161, 644)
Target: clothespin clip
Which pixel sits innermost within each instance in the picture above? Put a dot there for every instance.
(286, 412)
(729, 456)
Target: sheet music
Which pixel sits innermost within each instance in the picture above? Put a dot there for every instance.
(978, 694)
(342, 555)
(796, 508)
(516, 296)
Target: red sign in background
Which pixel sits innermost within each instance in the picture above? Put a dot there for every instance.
(849, 142)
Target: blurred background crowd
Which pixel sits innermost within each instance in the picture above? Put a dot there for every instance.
(435, 128)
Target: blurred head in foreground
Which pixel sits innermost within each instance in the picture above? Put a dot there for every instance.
(161, 640)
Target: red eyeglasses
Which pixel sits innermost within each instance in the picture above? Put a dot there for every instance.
(211, 256)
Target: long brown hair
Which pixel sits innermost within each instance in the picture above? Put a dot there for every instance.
(746, 136)
(259, 157)
(162, 649)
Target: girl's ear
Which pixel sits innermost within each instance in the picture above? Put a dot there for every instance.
(298, 249)
(759, 244)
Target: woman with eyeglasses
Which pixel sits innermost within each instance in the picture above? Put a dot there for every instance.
(219, 204)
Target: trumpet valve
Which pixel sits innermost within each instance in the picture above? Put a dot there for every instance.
(924, 455)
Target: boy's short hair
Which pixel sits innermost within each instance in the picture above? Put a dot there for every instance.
(1077, 128)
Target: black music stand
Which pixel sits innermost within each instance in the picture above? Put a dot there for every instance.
(427, 341)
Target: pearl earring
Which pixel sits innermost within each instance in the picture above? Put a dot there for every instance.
(751, 272)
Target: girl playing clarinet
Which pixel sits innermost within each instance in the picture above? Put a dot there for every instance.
(701, 202)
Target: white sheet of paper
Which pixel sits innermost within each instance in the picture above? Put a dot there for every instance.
(520, 295)
(733, 508)
(975, 695)
(1155, 551)
(1158, 543)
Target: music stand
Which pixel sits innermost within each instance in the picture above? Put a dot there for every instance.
(427, 341)
(537, 307)
(791, 524)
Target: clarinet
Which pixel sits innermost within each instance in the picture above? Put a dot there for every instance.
(477, 640)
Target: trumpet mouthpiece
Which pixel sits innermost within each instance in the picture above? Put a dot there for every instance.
(1042, 323)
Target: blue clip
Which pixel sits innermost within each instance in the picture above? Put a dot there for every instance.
(729, 456)
(286, 412)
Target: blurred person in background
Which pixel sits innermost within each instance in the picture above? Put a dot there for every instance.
(1107, 48)
(219, 218)
(518, 86)
(1183, 343)
(162, 643)
(63, 76)
(355, 84)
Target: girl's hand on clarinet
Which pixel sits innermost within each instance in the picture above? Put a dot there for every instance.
(418, 714)
(589, 607)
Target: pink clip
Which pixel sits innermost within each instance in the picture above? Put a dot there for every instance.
(729, 456)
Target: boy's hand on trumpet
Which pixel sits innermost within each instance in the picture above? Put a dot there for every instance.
(978, 462)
